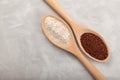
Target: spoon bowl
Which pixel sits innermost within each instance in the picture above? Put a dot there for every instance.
(79, 30)
(66, 47)
(83, 49)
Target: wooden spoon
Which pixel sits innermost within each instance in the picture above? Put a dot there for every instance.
(77, 29)
(72, 48)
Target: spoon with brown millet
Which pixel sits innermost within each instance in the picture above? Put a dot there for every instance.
(90, 42)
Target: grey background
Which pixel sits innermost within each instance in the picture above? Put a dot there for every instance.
(26, 54)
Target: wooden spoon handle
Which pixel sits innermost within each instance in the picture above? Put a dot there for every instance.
(91, 68)
(54, 5)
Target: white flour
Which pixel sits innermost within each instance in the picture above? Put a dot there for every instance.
(57, 30)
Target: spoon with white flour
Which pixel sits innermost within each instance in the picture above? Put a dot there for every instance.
(90, 42)
(60, 34)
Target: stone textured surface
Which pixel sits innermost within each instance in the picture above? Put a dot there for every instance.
(26, 54)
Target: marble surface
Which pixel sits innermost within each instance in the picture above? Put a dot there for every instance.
(26, 54)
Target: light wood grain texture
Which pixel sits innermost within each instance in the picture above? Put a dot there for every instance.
(72, 48)
(77, 29)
